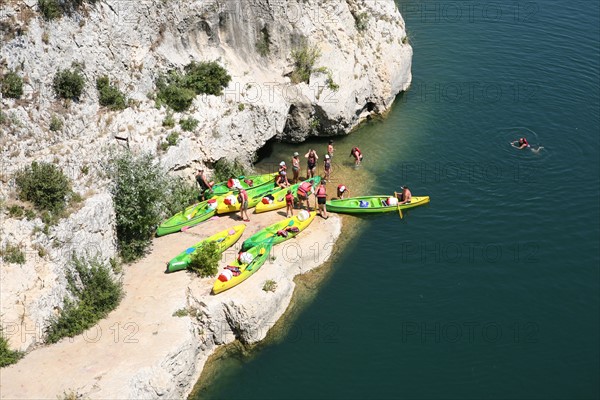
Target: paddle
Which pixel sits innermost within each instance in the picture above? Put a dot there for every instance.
(399, 209)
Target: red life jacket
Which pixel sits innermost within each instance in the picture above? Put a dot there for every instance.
(304, 188)
(242, 196)
(321, 192)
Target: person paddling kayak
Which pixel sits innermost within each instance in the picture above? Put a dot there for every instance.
(405, 196)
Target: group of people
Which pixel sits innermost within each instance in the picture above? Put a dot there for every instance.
(282, 180)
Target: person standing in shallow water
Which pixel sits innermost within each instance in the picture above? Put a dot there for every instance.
(296, 167)
(311, 162)
(357, 154)
(330, 149)
(327, 166)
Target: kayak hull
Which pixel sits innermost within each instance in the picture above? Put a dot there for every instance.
(270, 232)
(260, 256)
(226, 238)
(221, 188)
(191, 216)
(353, 205)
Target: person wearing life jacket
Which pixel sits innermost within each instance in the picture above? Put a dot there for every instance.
(243, 199)
(321, 195)
(289, 204)
(342, 191)
(357, 154)
(303, 192)
(312, 162)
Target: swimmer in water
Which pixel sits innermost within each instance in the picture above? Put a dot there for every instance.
(522, 143)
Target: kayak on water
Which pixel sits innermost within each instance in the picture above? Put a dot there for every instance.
(241, 182)
(189, 217)
(372, 204)
(243, 267)
(281, 231)
(225, 239)
(277, 199)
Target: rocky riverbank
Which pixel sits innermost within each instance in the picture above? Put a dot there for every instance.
(362, 62)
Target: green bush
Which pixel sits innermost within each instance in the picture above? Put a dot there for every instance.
(137, 192)
(3, 118)
(44, 185)
(263, 44)
(206, 77)
(270, 286)
(225, 169)
(12, 85)
(179, 195)
(170, 140)
(15, 211)
(304, 57)
(169, 121)
(143, 195)
(176, 97)
(68, 84)
(179, 90)
(56, 124)
(188, 124)
(95, 293)
(7, 356)
(109, 95)
(12, 254)
(205, 260)
(52, 9)
(361, 21)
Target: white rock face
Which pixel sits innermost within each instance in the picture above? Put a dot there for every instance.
(134, 42)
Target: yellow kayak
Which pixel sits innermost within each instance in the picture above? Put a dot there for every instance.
(278, 200)
(243, 268)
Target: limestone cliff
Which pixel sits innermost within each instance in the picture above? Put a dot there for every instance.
(364, 58)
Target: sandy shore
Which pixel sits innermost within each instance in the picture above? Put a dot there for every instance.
(141, 350)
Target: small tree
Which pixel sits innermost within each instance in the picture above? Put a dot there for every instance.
(44, 185)
(205, 260)
(68, 84)
(304, 57)
(12, 85)
(206, 77)
(188, 124)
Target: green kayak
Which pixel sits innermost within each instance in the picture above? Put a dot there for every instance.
(191, 216)
(371, 204)
(245, 182)
(293, 226)
(225, 239)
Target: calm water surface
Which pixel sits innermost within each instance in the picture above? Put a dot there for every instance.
(492, 290)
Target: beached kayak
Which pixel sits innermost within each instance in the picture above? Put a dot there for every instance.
(225, 239)
(189, 217)
(244, 182)
(277, 199)
(372, 204)
(243, 268)
(230, 203)
(292, 226)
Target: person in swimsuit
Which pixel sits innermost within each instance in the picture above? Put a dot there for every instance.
(330, 149)
(405, 196)
(282, 180)
(327, 166)
(205, 186)
(243, 199)
(312, 162)
(342, 191)
(522, 143)
(296, 167)
(289, 204)
(357, 154)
